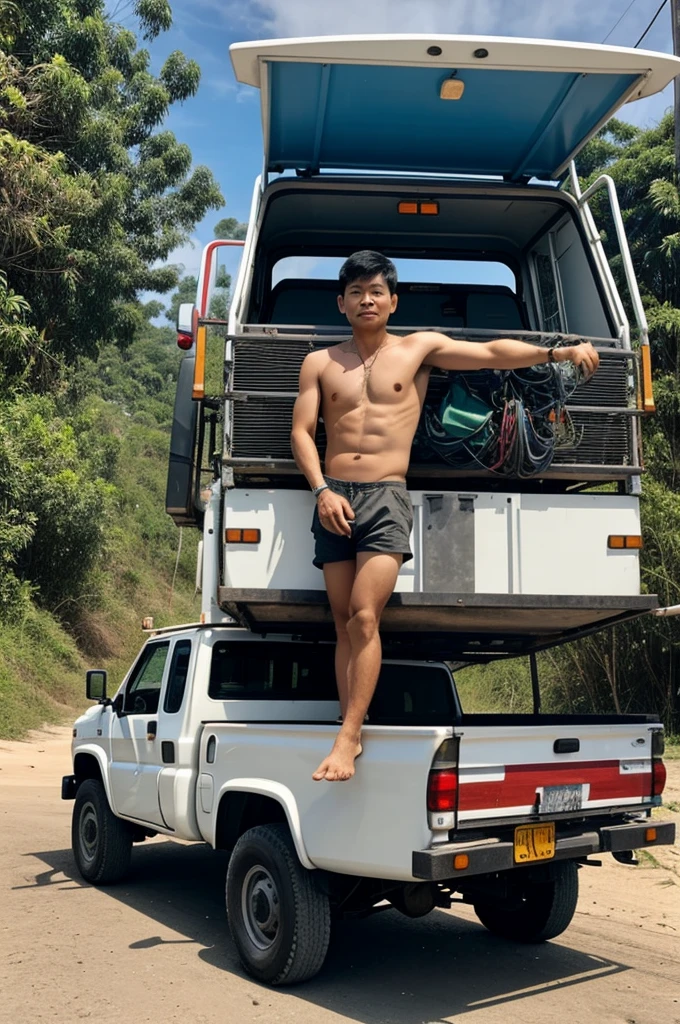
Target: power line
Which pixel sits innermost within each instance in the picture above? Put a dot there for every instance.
(632, 2)
(651, 23)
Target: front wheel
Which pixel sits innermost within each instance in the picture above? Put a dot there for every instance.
(279, 919)
(539, 909)
(101, 842)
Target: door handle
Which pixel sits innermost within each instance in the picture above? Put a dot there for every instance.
(151, 730)
(567, 745)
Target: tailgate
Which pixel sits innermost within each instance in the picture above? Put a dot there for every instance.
(555, 768)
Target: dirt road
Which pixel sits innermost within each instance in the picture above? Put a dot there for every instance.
(157, 948)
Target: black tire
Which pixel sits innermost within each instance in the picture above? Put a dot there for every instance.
(279, 920)
(101, 842)
(541, 908)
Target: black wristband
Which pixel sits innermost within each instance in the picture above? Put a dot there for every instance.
(551, 355)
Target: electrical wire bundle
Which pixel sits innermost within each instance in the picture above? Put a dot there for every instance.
(508, 422)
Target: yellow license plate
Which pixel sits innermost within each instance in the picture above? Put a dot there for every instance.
(534, 842)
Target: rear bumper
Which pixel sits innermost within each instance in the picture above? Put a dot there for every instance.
(436, 865)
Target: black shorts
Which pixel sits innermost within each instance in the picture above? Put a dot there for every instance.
(383, 522)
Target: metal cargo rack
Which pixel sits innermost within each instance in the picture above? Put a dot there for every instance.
(262, 383)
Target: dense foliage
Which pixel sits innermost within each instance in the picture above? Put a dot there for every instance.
(95, 194)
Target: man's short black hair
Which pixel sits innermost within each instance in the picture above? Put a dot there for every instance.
(365, 264)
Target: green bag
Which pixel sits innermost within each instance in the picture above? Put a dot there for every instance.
(463, 414)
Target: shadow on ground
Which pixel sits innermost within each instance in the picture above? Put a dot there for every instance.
(382, 969)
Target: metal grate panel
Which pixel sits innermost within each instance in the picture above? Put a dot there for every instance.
(603, 440)
(260, 426)
(268, 365)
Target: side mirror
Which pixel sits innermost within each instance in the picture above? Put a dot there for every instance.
(185, 317)
(95, 684)
(187, 323)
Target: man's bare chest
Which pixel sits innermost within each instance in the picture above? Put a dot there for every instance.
(346, 384)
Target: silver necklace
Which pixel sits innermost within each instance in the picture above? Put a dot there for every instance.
(367, 366)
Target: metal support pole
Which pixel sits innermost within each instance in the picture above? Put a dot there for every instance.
(675, 28)
(535, 688)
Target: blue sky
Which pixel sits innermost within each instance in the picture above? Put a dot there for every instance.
(221, 123)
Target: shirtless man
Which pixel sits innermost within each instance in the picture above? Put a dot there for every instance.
(370, 391)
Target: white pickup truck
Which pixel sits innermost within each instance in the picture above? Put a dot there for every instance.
(213, 736)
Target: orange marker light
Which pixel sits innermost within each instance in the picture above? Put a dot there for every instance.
(648, 403)
(461, 861)
(432, 209)
(232, 535)
(408, 207)
(650, 835)
(198, 392)
(630, 541)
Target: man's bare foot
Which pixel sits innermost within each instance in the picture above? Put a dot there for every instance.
(339, 765)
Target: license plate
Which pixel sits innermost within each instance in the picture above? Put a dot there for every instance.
(534, 842)
(561, 798)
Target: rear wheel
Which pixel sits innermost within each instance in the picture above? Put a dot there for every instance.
(101, 842)
(279, 919)
(540, 907)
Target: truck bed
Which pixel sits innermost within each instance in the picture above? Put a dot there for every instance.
(582, 773)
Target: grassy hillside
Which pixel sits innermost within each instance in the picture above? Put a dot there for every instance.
(109, 433)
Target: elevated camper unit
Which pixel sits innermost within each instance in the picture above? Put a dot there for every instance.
(536, 237)
(459, 166)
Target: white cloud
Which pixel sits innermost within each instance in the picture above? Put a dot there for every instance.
(187, 255)
(577, 20)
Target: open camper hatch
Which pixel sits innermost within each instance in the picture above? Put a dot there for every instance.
(453, 156)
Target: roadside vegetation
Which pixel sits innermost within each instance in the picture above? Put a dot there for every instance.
(96, 196)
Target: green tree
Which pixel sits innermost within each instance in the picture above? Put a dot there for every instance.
(186, 292)
(229, 227)
(98, 195)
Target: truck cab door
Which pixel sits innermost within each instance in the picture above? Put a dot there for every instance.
(135, 746)
(174, 779)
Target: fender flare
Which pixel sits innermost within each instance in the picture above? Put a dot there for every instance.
(282, 795)
(100, 757)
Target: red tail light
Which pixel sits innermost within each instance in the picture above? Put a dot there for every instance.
(658, 776)
(442, 786)
(184, 340)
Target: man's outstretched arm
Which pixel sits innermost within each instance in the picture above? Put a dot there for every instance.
(501, 354)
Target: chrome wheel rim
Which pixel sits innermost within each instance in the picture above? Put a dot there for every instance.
(88, 832)
(260, 907)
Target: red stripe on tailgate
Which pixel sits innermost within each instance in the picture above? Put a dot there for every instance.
(518, 789)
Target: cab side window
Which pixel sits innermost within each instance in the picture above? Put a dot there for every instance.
(271, 671)
(177, 678)
(144, 688)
